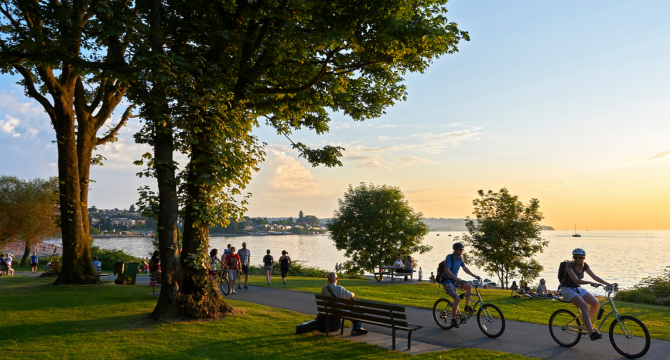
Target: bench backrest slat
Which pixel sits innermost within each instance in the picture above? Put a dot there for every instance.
(361, 303)
(377, 312)
(364, 317)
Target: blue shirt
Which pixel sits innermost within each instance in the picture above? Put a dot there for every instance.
(454, 264)
(33, 259)
(97, 263)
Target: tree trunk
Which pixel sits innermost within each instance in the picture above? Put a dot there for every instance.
(26, 255)
(77, 266)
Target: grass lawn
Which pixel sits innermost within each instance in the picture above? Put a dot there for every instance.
(40, 320)
(423, 295)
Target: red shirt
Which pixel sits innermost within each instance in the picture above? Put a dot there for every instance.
(232, 260)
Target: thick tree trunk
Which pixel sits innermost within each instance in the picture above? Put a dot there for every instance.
(195, 237)
(26, 255)
(77, 266)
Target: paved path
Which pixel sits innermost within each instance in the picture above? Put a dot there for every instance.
(527, 339)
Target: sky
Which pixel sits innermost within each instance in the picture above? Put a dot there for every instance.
(566, 102)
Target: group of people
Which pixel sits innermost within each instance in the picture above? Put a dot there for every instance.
(6, 264)
(237, 263)
(570, 287)
(408, 267)
(523, 286)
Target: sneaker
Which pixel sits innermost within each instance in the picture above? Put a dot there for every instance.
(596, 336)
(361, 331)
(246, 287)
(455, 323)
(467, 308)
(239, 286)
(234, 292)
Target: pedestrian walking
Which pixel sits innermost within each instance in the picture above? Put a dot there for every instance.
(245, 258)
(233, 263)
(33, 263)
(284, 262)
(268, 260)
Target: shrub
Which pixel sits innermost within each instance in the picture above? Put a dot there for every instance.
(297, 268)
(109, 257)
(651, 290)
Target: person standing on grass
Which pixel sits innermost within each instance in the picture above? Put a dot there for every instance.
(268, 260)
(233, 263)
(8, 264)
(420, 274)
(245, 256)
(284, 261)
(33, 263)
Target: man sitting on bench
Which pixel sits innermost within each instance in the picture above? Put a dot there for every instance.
(337, 291)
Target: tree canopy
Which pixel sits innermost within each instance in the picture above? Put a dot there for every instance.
(28, 211)
(375, 225)
(505, 235)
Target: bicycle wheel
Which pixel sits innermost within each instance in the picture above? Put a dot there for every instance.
(224, 287)
(491, 320)
(561, 327)
(442, 313)
(633, 340)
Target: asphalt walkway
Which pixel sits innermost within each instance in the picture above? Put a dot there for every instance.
(532, 340)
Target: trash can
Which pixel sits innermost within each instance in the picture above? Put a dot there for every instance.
(118, 271)
(126, 272)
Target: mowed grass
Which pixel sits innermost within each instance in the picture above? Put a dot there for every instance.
(424, 295)
(40, 321)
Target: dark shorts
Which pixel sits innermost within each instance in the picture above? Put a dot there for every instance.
(245, 269)
(212, 273)
(33, 265)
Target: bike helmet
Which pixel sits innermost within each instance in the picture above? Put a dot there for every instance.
(579, 251)
(458, 246)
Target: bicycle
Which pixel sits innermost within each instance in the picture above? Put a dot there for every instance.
(628, 335)
(223, 284)
(490, 319)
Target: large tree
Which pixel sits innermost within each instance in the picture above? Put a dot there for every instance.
(505, 235)
(375, 225)
(69, 57)
(287, 63)
(28, 211)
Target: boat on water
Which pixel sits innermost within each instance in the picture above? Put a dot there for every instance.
(438, 234)
(449, 234)
(575, 234)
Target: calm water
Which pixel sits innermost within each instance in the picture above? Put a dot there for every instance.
(616, 256)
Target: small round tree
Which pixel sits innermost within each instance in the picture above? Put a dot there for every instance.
(505, 235)
(376, 225)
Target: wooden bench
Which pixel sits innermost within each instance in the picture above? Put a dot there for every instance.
(98, 269)
(155, 278)
(369, 312)
(48, 270)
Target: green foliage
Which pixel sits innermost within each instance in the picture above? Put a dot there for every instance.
(376, 225)
(109, 257)
(651, 290)
(297, 268)
(505, 235)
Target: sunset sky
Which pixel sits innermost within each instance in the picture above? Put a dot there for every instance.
(567, 102)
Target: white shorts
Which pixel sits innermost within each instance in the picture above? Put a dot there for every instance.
(232, 274)
(569, 293)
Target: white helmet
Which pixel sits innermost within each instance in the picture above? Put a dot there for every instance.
(579, 251)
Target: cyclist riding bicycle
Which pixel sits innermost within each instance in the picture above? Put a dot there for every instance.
(451, 281)
(574, 293)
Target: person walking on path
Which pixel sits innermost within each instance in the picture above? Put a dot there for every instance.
(337, 291)
(284, 261)
(451, 281)
(245, 256)
(33, 263)
(233, 263)
(268, 260)
(574, 293)
(213, 259)
(226, 251)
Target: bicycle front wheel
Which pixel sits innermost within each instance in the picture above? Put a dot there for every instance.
(224, 287)
(563, 327)
(630, 337)
(442, 313)
(491, 320)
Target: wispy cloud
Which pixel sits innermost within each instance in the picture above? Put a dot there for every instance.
(660, 156)
(386, 126)
(413, 160)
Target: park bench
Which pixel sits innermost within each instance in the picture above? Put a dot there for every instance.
(156, 279)
(3, 269)
(98, 269)
(48, 270)
(369, 312)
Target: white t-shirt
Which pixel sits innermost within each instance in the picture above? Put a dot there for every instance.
(397, 263)
(541, 289)
(212, 262)
(420, 273)
(8, 260)
(339, 291)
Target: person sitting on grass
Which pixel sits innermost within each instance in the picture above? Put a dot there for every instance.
(33, 263)
(337, 291)
(432, 278)
(524, 287)
(542, 288)
(514, 286)
(451, 281)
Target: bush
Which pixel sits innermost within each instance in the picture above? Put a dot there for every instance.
(109, 257)
(298, 269)
(651, 290)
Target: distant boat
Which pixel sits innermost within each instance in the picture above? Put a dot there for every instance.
(449, 234)
(575, 234)
(438, 234)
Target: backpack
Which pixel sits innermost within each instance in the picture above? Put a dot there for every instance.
(440, 271)
(561, 270)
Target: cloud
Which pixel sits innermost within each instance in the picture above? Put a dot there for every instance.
(340, 125)
(9, 124)
(288, 173)
(413, 160)
(386, 126)
(660, 156)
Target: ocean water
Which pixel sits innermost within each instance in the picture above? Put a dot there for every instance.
(624, 257)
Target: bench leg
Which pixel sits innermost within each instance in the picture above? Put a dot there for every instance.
(409, 340)
(393, 332)
(342, 327)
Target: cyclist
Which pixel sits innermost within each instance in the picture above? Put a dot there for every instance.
(213, 259)
(451, 281)
(574, 293)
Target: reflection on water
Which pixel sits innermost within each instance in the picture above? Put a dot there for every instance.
(616, 256)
